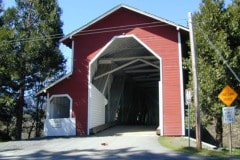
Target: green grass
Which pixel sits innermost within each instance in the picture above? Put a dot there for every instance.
(180, 144)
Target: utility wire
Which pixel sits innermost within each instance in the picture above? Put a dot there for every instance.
(219, 53)
(36, 38)
(116, 30)
(90, 31)
(122, 26)
(4, 42)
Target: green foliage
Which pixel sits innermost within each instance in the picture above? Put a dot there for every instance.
(29, 52)
(1, 6)
(180, 144)
(213, 20)
(218, 24)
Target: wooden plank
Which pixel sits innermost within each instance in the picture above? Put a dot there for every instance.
(149, 63)
(100, 128)
(111, 60)
(136, 66)
(143, 71)
(116, 69)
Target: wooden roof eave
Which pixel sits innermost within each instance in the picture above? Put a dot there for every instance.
(44, 90)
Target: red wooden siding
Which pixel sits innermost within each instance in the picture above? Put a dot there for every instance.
(71, 86)
(162, 40)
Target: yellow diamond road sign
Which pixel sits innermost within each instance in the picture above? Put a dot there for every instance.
(227, 95)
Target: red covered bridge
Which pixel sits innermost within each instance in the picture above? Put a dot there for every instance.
(127, 68)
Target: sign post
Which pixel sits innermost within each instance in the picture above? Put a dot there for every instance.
(228, 96)
(229, 118)
(188, 98)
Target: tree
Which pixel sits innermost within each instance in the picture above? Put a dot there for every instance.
(212, 26)
(31, 48)
(6, 98)
(1, 6)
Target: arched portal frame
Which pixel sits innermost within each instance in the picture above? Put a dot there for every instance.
(59, 100)
(90, 76)
(59, 120)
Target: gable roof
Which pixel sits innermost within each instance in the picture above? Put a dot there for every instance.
(44, 90)
(68, 37)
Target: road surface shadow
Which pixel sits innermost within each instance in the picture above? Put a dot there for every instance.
(92, 154)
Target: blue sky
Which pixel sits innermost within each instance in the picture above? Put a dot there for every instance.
(77, 13)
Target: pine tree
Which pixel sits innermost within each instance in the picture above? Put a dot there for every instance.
(32, 48)
(214, 23)
(6, 97)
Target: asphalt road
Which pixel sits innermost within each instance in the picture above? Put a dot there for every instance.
(121, 142)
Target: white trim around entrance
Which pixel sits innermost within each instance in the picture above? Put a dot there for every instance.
(60, 95)
(181, 81)
(160, 82)
(59, 126)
